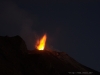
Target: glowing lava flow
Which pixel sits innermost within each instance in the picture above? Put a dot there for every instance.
(40, 44)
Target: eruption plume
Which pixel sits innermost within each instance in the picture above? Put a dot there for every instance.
(40, 44)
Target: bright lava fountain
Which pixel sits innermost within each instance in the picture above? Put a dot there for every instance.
(40, 44)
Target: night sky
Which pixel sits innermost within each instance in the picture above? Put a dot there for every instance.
(71, 26)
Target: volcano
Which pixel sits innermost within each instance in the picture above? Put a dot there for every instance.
(16, 59)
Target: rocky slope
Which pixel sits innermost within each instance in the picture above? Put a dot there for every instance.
(15, 59)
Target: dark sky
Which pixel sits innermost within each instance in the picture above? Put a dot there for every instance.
(71, 26)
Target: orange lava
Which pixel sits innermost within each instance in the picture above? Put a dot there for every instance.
(40, 44)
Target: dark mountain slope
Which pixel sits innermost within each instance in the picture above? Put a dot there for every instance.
(60, 62)
(15, 59)
(12, 50)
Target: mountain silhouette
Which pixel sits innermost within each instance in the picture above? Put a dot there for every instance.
(16, 59)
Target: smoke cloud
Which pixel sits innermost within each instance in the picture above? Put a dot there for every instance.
(16, 21)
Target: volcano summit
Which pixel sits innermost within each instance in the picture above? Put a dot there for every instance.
(15, 59)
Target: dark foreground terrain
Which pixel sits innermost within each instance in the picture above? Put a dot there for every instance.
(15, 59)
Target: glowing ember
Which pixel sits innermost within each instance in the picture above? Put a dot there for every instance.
(40, 44)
